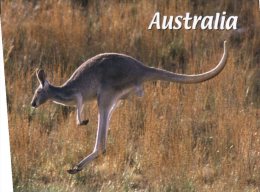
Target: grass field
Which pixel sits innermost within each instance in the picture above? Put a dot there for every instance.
(179, 138)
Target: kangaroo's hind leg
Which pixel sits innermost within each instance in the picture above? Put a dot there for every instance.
(106, 103)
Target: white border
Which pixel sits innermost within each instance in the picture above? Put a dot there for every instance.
(6, 184)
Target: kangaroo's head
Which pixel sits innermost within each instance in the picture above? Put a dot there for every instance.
(41, 93)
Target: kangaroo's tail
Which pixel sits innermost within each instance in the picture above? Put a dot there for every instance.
(160, 74)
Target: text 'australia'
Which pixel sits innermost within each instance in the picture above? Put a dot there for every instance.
(219, 21)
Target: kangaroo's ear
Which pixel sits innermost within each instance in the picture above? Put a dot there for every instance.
(41, 76)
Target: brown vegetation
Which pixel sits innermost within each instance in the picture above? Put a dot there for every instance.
(203, 137)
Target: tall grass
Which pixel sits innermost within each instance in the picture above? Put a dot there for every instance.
(202, 137)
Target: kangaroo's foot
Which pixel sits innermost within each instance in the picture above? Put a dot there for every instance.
(83, 163)
(74, 170)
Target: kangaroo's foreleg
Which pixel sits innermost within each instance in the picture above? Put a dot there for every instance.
(106, 104)
(80, 105)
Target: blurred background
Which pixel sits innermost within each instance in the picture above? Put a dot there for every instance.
(202, 137)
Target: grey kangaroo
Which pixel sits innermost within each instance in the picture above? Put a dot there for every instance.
(109, 77)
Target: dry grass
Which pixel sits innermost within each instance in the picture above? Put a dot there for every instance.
(202, 137)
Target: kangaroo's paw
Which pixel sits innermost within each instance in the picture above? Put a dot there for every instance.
(84, 122)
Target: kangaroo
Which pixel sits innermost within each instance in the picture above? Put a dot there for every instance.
(108, 77)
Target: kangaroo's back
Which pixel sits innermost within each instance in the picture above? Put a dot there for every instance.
(109, 69)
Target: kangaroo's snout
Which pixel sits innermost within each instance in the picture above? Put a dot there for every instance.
(33, 103)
